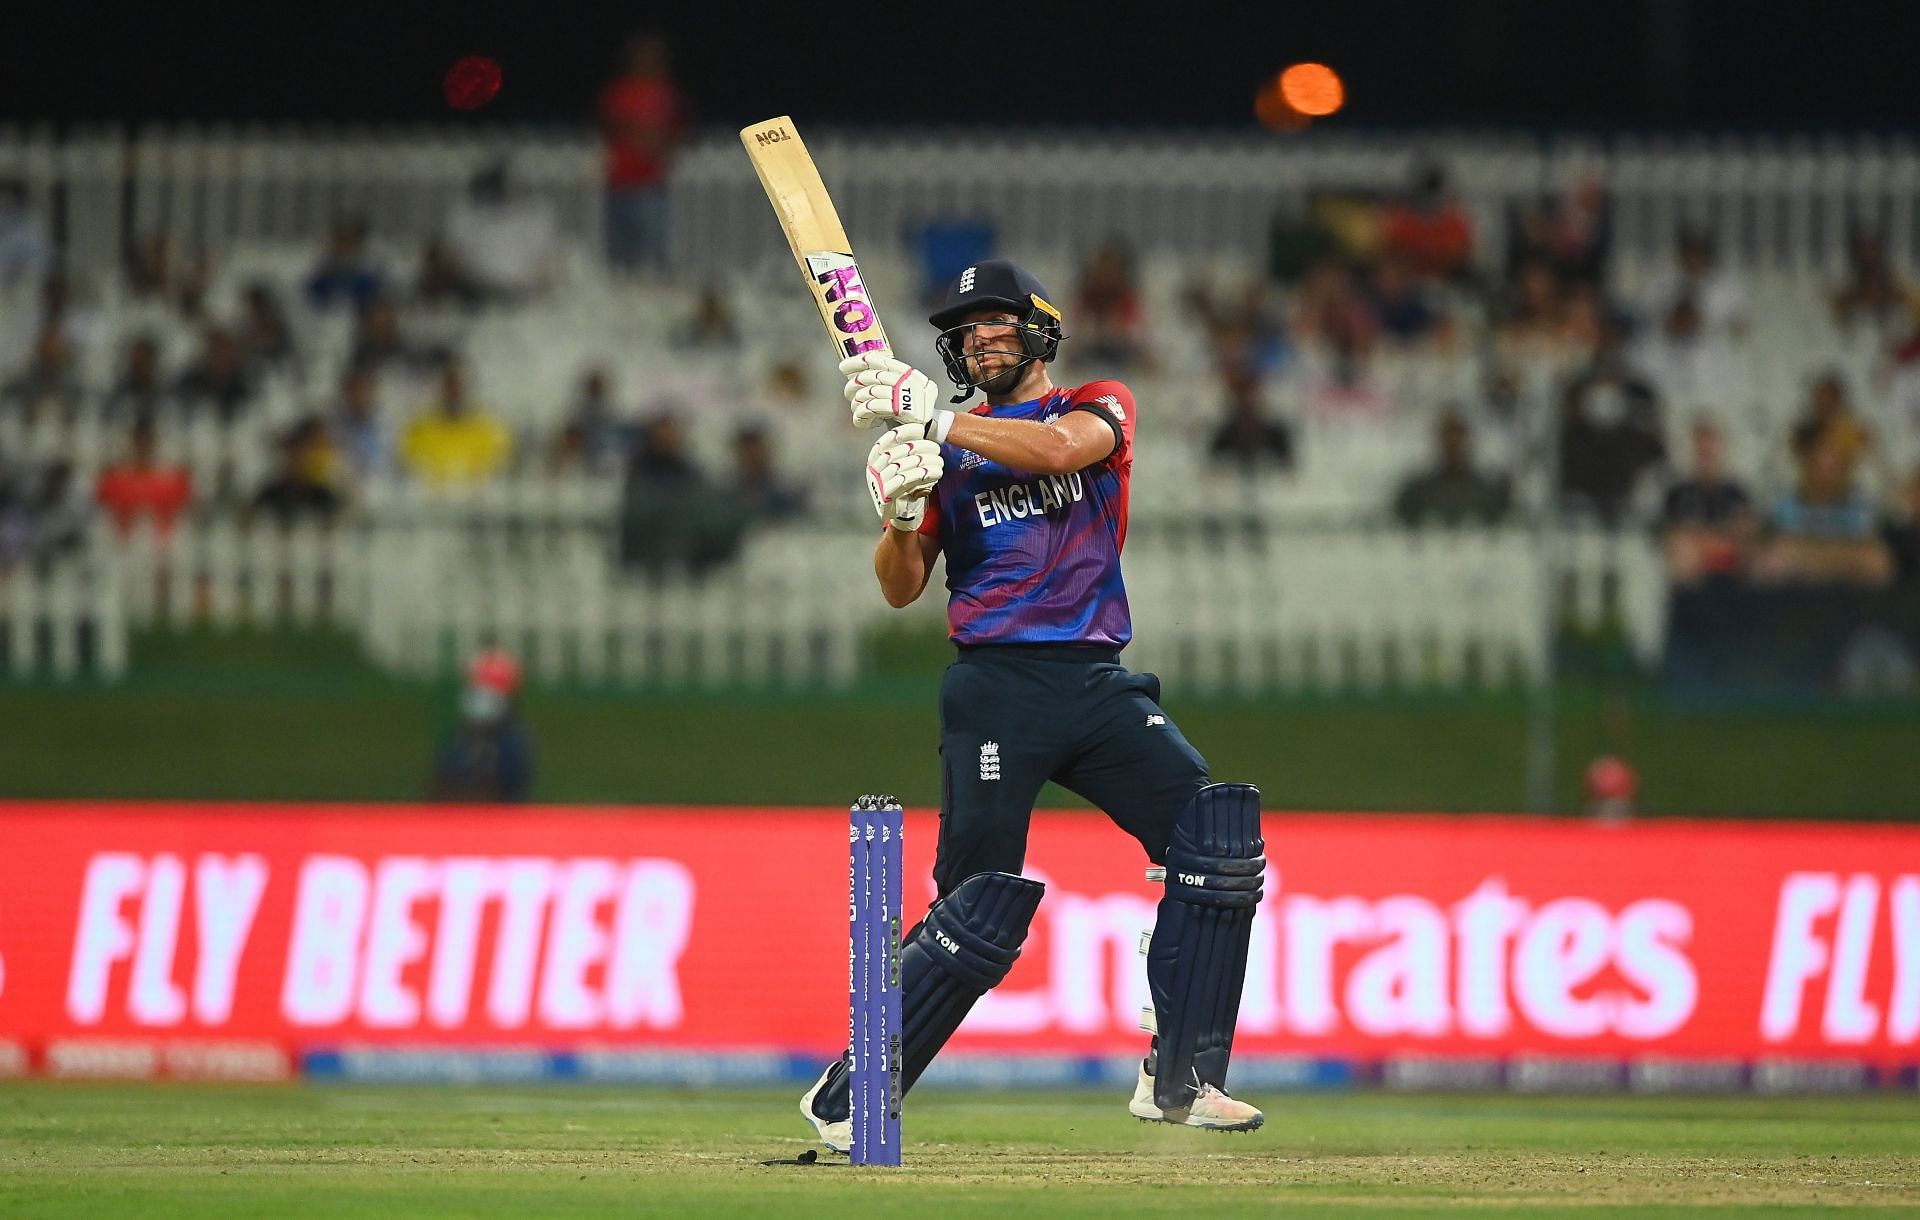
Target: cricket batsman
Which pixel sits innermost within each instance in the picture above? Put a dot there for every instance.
(1026, 495)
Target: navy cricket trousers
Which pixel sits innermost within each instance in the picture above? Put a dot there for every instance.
(1013, 716)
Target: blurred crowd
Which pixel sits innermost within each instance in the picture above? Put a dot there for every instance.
(1643, 387)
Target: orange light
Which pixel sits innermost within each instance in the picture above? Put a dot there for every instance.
(1312, 89)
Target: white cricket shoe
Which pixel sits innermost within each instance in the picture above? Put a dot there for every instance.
(838, 1137)
(1210, 1110)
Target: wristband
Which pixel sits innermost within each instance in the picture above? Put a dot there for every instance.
(940, 425)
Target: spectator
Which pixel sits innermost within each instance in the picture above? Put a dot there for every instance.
(264, 336)
(139, 486)
(1872, 294)
(642, 117)
(365, 439)
(1429, 230)
(1687, 361)
(454, 441)
(151, 274)
(1716, 293)
(1341, 383)
(1530, 323)
(1453, 492)
(1330, 309)
(80, 324)
(442, 280)
(1610, 433)
(488, 758)
(1900, 531)
(303, 486)
(140, 388)
(1830, 420)
(49, 380)
(757, 487)
(26, 252)
(1243, 330)
(593, 438)
(1823, 531)
(380, 345)
(1575, 234)
(1707, 522)
(346, 273)
(1400, 303)
(40, 516)
(217, 379)
(788, 408)
(1247, 436)
(1108, 319)
(505, 240)
(671, 517)
(711, 326)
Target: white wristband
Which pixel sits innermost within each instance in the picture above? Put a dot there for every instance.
(939, 426)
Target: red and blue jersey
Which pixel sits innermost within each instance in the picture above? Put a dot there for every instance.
(1033, 558)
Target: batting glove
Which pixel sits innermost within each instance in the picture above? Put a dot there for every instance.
(886, 392)
(902, 468)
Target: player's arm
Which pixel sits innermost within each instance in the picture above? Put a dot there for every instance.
(902, 561)
(902, 469)
(1073, 442)
(884, 390)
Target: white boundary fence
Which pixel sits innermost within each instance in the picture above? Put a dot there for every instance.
(1355, 608)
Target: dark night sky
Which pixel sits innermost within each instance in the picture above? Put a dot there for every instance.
(1529, 62)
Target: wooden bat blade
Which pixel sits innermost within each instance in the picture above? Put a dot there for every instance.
(814, 234)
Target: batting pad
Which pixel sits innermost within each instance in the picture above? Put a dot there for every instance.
(1197, 958)
(960, 951)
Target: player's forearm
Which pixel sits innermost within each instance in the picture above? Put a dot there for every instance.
(1023, 444)
(900, 564)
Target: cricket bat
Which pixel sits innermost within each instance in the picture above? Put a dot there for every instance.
(819, 244)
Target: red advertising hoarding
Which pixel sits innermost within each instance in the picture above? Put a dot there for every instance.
(285, 928)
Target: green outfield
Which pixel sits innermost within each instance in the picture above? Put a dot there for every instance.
(153, 1151)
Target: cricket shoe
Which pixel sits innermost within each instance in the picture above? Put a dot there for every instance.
(838, 1136)
(1210, 1109)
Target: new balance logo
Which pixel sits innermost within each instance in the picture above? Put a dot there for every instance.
(1112, 403)
(1155, 720)
(966, 279)
(990, 760)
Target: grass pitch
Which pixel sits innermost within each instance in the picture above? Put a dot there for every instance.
(150, 1151)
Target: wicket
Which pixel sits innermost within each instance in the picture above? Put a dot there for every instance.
(874, 868)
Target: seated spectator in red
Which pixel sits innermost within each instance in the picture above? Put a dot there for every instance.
(265, 338)
(1707, 522)
(1823, 531)
(140, 388)
(1247, 437)
(1429, 230)
(303, 488)
(139, 486)
(1453, 492)
(1400, 303)
(488, 757)
(1107, 313)
(49, 381)
(757, 486)
(346, 273)
(1610, 433)
(218, 379)
(1872, 294)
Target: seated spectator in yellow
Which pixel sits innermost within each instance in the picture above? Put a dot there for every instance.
(1452, 492)
(454, 441)
(1707, 522)
(1824, 530)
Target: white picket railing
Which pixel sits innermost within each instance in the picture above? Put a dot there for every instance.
(1353, 608)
